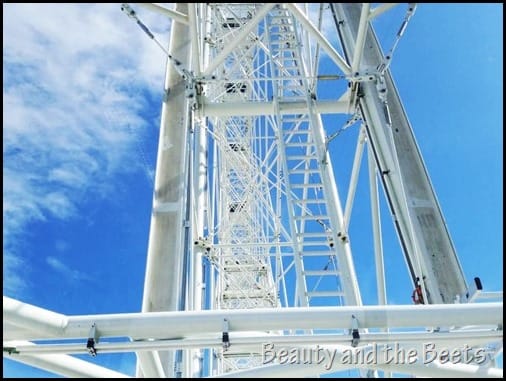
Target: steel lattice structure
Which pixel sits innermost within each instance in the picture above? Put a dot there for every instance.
(249, 248)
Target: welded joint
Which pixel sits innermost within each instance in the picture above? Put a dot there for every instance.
(355, 335)
(225, 339)
(92, 340)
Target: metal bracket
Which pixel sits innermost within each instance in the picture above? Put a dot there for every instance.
(330, 239)
(364, 76)
(475, 290)
(355, 335)
(166, 94)
(343, 237)
(381, 88)
(92, 340)
(190, 87)
(225, 338)
(203, 243)
(11, 350)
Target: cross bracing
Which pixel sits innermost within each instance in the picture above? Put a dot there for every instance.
(248, 221)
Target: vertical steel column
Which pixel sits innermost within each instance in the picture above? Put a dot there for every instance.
(376, 226)
(425, 240)
(162, 286)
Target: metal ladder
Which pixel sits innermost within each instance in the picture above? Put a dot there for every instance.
(314, 252)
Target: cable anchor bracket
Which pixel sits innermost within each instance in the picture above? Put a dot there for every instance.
(355, 335)
(225, 338)
(92, 340)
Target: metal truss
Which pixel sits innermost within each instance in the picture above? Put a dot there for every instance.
(250, 252)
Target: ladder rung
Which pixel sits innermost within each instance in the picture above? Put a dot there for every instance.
(324, 293)
(280, 42)
(293, 88)
(300, 157)
(321, 272)
(307, 161)
(282, 33)
(244, 268)
(299, 144)
(312, 235)
(285, 49)
(241, 295)
(311, 217)
(303, 171)
(315, 244)
(305, 186)
(315, 253)
(293, 98)
(310, 201)
(286, 119)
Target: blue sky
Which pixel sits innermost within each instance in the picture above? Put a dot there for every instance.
(82, 95)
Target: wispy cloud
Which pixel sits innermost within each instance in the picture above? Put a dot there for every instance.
(64, 270)
(61, 245)
(76, 82)
(14, 282)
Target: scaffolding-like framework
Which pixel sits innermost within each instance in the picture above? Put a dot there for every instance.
(249, 250)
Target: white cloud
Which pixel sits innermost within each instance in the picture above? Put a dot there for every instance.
(14, 280)
(64, 270)
(61, 245)
(76, 79)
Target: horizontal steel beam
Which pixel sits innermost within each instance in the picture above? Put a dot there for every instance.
(175, 15)
(61, 364)
(167, 325)
(269, 108)
(252, 343)
(337, 359)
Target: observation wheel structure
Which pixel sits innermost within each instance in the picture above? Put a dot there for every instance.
(250, 250)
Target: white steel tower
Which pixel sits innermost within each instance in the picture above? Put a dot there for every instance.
(250, 252)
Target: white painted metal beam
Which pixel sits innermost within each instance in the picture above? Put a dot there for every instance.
(249, 342)
(380, 9)
(12, 332)
(186, 323)
(361, 33)
(150, 364)
(376, 229)
(241, 35)
(175, 15)
(33, 319)
(336, 361)
(194, 37)
(347, 268)
(324, 43)
(164, 264)
(354, 178)
(64, 365)
(268, 108)
(428, 249)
